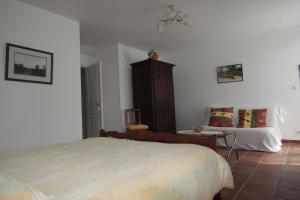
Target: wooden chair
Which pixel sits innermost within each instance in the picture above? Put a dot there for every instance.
(133, 120)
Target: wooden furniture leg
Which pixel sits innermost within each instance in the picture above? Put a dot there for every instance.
(217, 196)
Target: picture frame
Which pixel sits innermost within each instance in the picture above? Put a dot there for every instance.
(28, 65)
(230, 73)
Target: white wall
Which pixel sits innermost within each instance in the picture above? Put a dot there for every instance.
(270, 64)
(111, 88)
(37, 114)
(88, 55)
(86, 60)
(127, 56)
(116, 80)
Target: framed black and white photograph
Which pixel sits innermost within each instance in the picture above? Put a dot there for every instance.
(230, 73)
(28, 65)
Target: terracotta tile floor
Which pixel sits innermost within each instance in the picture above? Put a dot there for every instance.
(265, 176)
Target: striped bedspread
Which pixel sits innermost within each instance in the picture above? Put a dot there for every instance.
(115, 169)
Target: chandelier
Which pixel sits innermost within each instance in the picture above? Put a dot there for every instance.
(171, 17)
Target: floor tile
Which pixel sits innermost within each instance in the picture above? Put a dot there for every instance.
(274, 161)
(246, 163)
(288, 194)
(289, 183)
(275, 155)
(255, 153)
(265, 176)
(228, 194)
(252, 196)
(292, 168)
(266, 181)
(268, 167)
(290, 175)
(255, 188)
(293, 160)
(270, 173)
(238, 167)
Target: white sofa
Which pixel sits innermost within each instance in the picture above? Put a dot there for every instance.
(261, 139)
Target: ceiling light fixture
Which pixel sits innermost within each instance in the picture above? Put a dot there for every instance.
(171, 17)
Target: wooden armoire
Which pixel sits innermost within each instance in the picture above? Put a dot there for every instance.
(153, 94)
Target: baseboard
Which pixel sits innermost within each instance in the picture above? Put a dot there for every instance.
(290, 141)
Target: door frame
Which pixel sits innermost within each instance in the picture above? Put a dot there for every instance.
(101, 95)
(83, 102)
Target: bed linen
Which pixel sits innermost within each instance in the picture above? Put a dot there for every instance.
(113, 169)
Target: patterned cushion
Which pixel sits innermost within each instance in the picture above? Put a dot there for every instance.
(252, 118)
(137, 127)
(221, 117)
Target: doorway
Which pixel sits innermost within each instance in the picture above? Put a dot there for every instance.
(92, 104)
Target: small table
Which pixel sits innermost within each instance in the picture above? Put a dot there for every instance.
(229, 147)
(219, 134)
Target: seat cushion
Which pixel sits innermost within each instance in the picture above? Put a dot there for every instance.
(259, 139)
(136, 127)
(252, 118)
(221, 117)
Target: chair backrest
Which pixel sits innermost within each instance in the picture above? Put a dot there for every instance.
(132, 116)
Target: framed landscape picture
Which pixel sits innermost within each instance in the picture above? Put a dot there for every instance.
(230, 73)
(28, 65)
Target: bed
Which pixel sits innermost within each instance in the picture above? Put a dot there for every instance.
(109, 168)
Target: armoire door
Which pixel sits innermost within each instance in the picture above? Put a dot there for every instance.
(142, 94)
(164, 100)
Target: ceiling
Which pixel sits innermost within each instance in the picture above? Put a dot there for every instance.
(132, 22)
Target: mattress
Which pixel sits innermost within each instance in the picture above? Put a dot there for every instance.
(261, 139)
(112, 169)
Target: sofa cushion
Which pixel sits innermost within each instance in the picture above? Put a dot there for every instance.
(275, 114)
(259, 139)
(252, 118)
(221, 117)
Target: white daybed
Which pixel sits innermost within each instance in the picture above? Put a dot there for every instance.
(261, 139)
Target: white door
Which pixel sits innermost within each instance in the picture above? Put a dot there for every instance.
(94, 105)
